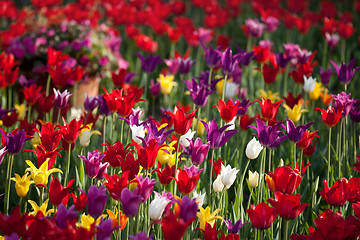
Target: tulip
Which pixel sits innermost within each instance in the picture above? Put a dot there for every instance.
(85, 136)
(234, 228)
(81, 201)
(218, 186)
(228, 175)
(345, 72)
(338, 194)
(254, 27)
(166, 174)
(331, 116)
(261, 216)
(206, 217)
(199, 198)
(149, 63)
(166, 83)
(288, 206)
(343, 100)
(105, 229)
(94, 167)
(198, 151)
(199, 92)
(58, 193)
(253, 149)
(227, 111)
(185, 139)
(253, 179)
(96, 201)
(218, 136)
(157, 207)
(41, 175)
(309, 84)
(130, 201)
(137, 132)
(294, 114)
(141, 236)
(41, 209)
(182, 121)
(14, 141)
(61, 99)
(116, 184)
(188, 209)
(269, 136)
(173, 228)
(268, 109)
(115, 218)
(186, 179)
(145, 186)
(31, 94)
(291, 101)
(3, 151)
(284, 179)
(90, 103)
(296, 133)
(63, 215)
(22, 184)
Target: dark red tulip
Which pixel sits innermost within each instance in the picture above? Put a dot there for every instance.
(58, 193)
(288, 206)
(338, 194)
(261, 216)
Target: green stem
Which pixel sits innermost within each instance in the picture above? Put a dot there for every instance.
(8, 176)
(121, 130)
(208, 102)
(241, 185)
(262, 163)
(329, 148)
(325, 49)
(76, 85)
(176, 164)
(48, 85)
(119, 223)
(104, 133)
(29, 113)
(41, 195)
(224, 87)
(294, 158)
(67, 165)
(210, 178)
(286, 229)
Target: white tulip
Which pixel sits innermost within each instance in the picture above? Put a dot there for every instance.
(232, 124)
(184, 138)
(309, 84)
(137, 131)
(157, 207)
(228, 175)
(231, 89)
(75, 113)
(253, 179)
(199, 198)
(253, 149)
(85, 138)
(218, 186)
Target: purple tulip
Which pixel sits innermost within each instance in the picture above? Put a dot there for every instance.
(105, 229)
(153, 132)
(282, 60)
(185, 65)
(97, 198)
(145, 186)
(61, 99)
(13, 236)
(4, 112)
(198, 92)
(355, 111)
(212, 56)
(198, 151)
(218, 136)
(154, 88)
(269, 136)
(24, 82)
(130, 201)
(13, 143)
(234, 229)
(291, 49)
(271, 24)
(188, 208)
(62, 215)
(94, 167)
(228, 61)
(204, 80)
(255, 28)
(325, 75)
(332, 39)
(296, 133)
(141, 236)
(173, 65)
(244, 57)
(192, 171)
(345, 72)
(102, 106)
(236, 75)
(149, 63)
(243, 107)
(303, 55)
(343, 100)
(90, 103)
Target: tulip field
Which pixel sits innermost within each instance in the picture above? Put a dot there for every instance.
(180, 119)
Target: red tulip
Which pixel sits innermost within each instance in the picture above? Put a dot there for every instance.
(115, 154)
(121, 101)
(31, 94)
(284, 179)
(58, 193)
(54, 57)
(227, 111)
(338, 194)
(45, 104)
(81, 201)
(186, 181)
(331, 116)
(217, 167)
(182, 121)
(173, 228)
(116, 184)
(72, 130)
(291, 101)
(245, 122)
(354, 189)
(269, 74)
(42, 155)
(29, 128)
(261, 216)
(306, 139)
(309, 151)
(147, 155)
(268, 109)
(10, 119)
(50, 138)
(287, 206)
(211, 233)
(357, 165)
(165, 175)
(59, 76)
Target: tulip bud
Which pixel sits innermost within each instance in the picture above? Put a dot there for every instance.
(253, 149)
(157, 207)
(253, 179)
(184, 138)
(228, 175)
(137, 131)
(309, 84)
(218, 185)
(281, 163)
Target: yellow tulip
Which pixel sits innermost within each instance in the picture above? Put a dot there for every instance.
(21, 111)
(269, 95)
(294, 114)
(35, 141)
(315, 94)
(41, 175)
(22, 184)
(206, 217)
(87, 221)
(42, 208)
(164, 157)
(166, 83)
